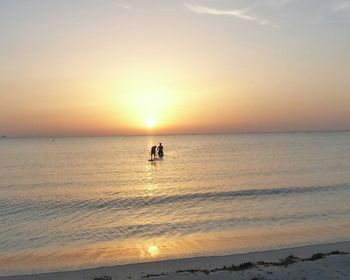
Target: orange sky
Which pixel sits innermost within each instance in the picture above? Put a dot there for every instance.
(109, 68)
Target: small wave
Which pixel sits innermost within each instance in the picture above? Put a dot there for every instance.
(47, 207)
(108, 233)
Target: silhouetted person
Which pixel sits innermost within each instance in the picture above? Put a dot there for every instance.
(160, 150)
(153, 152)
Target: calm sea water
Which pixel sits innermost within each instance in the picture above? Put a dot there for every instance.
(84, 202)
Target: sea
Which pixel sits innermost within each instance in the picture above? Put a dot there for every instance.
(71, 203)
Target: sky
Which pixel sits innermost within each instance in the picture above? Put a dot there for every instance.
(110, 67)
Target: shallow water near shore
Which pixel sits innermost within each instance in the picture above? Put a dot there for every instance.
(83, 202)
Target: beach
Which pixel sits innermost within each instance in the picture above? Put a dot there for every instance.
(323, 261)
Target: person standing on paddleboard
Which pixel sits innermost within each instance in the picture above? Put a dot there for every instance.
(160, 150)
(153, 152)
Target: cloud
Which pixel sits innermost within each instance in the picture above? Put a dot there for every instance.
(278, 3)
(342, 6)
(123, 6)
(236, 13)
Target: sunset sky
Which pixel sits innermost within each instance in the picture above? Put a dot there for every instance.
(109, 67)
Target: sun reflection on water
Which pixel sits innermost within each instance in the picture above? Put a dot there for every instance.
(151, 251)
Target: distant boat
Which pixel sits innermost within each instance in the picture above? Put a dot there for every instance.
(4, 136)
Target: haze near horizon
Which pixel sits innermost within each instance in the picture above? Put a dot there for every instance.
(142, 67)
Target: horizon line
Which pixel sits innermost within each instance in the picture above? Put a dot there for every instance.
(4, 136)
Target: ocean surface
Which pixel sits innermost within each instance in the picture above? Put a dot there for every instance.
(71, 203)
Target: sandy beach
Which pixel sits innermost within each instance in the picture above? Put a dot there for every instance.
(324, 261)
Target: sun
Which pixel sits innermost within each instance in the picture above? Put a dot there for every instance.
(150, 123)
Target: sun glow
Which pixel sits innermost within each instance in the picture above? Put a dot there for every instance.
(150, 123)
(147, 103)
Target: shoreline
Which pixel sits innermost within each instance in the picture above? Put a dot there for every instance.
(212, 266)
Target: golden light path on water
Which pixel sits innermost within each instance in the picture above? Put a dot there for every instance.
(153, 250)
(139, 250)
